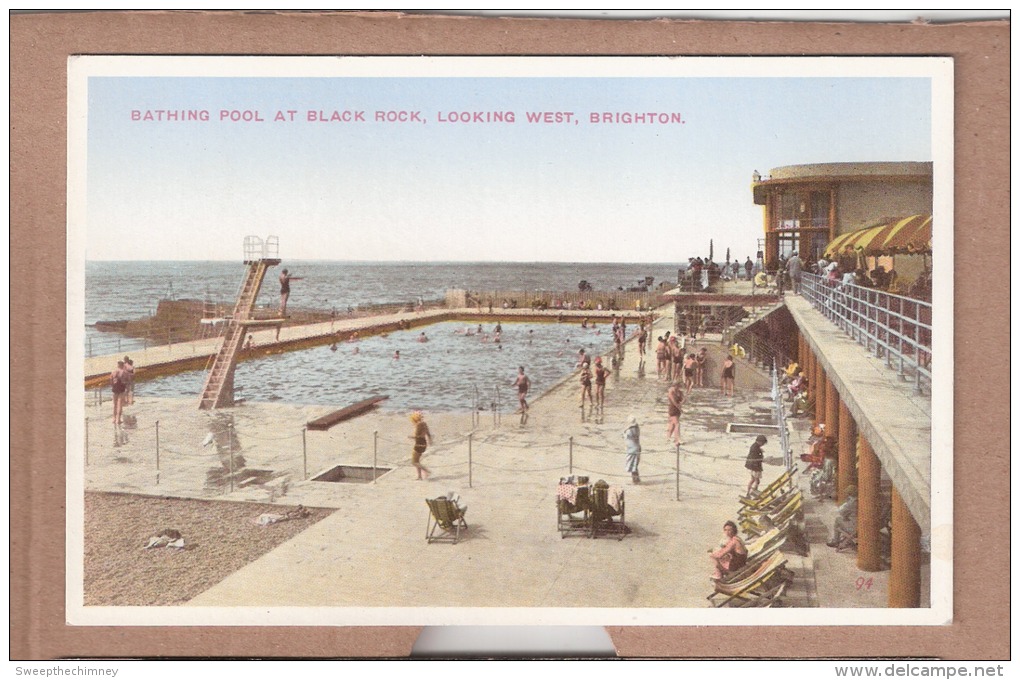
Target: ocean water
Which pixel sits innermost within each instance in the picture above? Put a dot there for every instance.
(452, 372)
(131, 290)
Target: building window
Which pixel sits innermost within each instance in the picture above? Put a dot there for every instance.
(801, 223)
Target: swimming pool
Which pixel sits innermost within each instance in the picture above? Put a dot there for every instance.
(449, 373)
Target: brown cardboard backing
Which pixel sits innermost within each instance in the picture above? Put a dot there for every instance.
(40, 45)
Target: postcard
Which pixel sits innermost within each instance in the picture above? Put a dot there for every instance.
(620, 341)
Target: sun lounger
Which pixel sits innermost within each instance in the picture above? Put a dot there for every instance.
(758, 584)
(445, 520)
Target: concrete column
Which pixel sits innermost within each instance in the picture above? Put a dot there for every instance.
(812, 375)
(849, 446)
(820, 394)
(905, 576)
(869, 507)
(832, 402)
(801, 352)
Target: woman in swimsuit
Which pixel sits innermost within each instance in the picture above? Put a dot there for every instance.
(675, 401)
(586, 384)
(600, 383)
(118, 385)
(422, 439)
(731, 554)
(728, 374)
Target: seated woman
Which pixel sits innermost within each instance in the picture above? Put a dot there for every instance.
(731, 555)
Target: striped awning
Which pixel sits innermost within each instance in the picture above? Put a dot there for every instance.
(899, 236)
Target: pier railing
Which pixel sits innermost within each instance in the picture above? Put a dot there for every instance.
(896, 329)
(780, 414)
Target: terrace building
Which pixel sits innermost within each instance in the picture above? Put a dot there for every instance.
(808, 206)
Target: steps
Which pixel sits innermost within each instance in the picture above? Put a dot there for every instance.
(218, 390)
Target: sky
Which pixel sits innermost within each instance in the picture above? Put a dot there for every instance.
(434, 188)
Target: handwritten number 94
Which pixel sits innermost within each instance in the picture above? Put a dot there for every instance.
(864, 583)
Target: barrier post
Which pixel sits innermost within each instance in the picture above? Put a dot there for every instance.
(157, 446)
(470, 478)
(678, 472)
(571, 456)
(375, 453)
(304, 451)
(86, 441)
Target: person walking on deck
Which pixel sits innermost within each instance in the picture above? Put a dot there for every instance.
(118, 386)
(422, 438)
(755, 458)
(675, 401)
(632, 435)
(523, 384)
(794, 267)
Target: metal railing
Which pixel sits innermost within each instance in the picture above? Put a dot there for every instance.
(256, 249)
(895, 328)
(780, 408)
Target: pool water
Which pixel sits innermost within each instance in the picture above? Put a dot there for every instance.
(452, 372)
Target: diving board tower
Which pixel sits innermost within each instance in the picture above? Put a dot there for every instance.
(259, 256)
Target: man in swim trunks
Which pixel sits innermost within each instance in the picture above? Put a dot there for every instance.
(689, 368)
(523, 385)
(285, 279)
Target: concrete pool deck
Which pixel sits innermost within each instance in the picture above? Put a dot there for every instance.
(372, 552)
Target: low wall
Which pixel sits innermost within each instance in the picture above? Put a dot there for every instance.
(606, 300)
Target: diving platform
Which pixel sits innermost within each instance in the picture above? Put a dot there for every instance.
(259, 256)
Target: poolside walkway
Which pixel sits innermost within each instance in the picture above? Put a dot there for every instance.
(372, 552)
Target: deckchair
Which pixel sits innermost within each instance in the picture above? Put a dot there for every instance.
(445, 520)
(772, 539)
(602, 512)
(574, 517)
(757, 525)
(755, 585)
(776, 487)
(767, 598)
(769, 507)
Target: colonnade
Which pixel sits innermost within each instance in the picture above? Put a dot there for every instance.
(858, 464)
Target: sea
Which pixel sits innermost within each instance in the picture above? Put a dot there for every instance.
(458, 369)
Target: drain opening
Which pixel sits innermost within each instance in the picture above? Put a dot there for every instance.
(351, 474)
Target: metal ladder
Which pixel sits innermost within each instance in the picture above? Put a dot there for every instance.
(219, 383)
